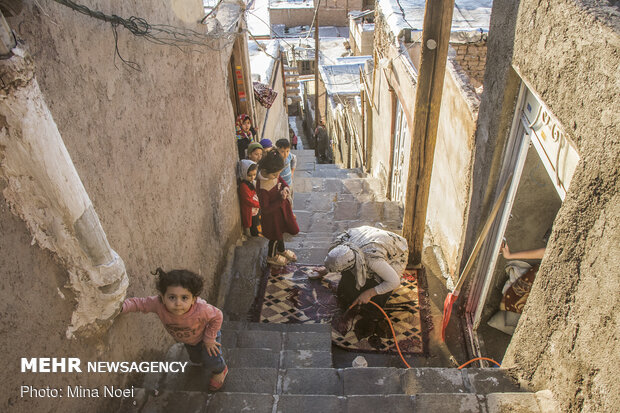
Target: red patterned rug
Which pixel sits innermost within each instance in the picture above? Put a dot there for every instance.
(289, 295)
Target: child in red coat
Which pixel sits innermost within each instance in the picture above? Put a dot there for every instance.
(248, 200)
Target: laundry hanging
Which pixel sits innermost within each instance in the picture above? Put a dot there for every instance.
(264, 94)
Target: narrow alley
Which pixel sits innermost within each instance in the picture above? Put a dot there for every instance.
(294, 366)
(456, 229)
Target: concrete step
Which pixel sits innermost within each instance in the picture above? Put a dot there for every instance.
(252, 357)
(275, 340)
(245, 325)
(225, 401)
(243, 284)
(375, 380)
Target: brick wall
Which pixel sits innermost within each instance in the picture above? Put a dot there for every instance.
(472, 59)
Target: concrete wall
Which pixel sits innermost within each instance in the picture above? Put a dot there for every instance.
(568, 338)
(153, 149)
(567, 52)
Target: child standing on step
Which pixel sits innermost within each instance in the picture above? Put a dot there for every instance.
(292, 137)
(187, 318)
(290, 161)
(248, 200)
(277, 212)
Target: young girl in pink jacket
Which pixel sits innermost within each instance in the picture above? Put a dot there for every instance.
(188, 319)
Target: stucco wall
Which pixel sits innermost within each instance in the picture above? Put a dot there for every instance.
(153, 149)
(567, 339)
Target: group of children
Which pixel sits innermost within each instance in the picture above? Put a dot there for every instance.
(266, 196)
(265, 180)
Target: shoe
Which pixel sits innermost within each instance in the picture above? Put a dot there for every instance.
(215, 385)
(289, 255)
(278, 260)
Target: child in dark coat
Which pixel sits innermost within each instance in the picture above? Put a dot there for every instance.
(277, 213)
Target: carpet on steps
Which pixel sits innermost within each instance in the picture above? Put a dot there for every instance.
(288, 295)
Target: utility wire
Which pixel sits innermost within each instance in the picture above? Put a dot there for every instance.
(213, 10)
(260, 46)
(316, 11)
(156, 33)
(270, 29)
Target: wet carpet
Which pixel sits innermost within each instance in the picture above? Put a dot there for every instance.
(289, 295)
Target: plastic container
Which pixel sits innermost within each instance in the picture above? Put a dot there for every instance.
(360, 361)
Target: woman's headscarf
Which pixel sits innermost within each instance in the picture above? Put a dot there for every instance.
(240, 132)
(344, 256)
(242, 168)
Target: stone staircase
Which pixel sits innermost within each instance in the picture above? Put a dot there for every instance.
(329, 200)
(288, 367)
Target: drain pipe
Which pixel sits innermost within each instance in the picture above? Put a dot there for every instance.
(43, 188)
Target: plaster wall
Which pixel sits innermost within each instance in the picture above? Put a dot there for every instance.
(152, 148)
(567, 53)
(449, 188)
(450, 180)
(567, 340)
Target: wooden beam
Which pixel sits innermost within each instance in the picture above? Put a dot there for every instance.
(317, 114)
(435, 39)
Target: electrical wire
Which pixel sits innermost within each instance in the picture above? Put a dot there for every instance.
(270, 29)
(161, 34)
(260, 46)
(316, 12)
(213, 10)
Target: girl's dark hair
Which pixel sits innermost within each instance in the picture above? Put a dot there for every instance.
(184, 278)
(252, 167)
(271, 162)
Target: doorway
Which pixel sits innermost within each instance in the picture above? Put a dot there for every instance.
(538, 164)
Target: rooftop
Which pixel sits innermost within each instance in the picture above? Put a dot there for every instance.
(332, 48)
(281, 30)
(261, 63)
(343, 78)
(470, 16)
(291, 4)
